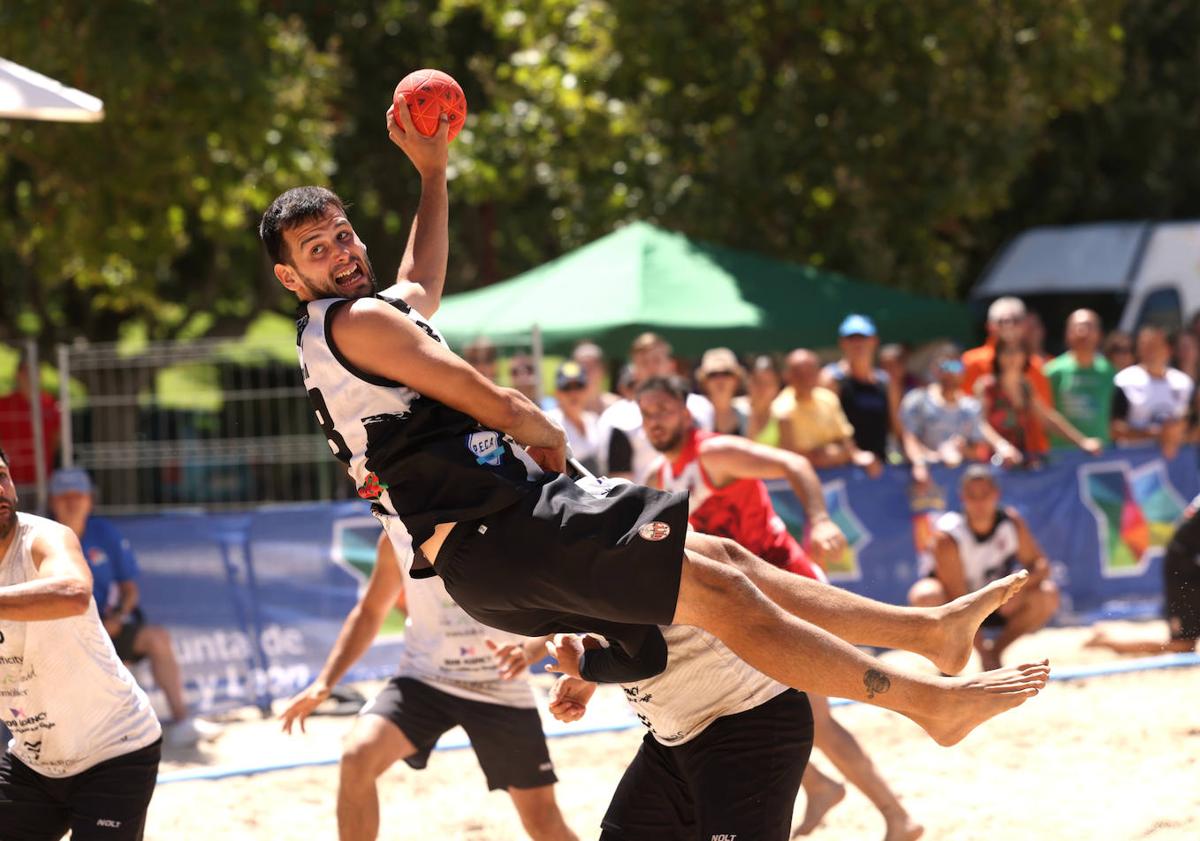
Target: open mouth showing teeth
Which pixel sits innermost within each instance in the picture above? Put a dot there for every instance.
(348, 275)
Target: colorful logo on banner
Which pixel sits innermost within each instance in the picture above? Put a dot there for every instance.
(837, 502)
(353, 549)
(1136, 510)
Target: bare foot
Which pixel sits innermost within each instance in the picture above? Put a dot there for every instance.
(970, 701)
(960, 619)
(902, 828)
(819, 800)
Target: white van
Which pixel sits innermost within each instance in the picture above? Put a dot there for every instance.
(1132, 273)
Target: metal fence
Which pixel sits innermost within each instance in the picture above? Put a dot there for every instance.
(212, 424)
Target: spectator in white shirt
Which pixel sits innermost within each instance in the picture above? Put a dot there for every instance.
(1152, 399)
(572, 414)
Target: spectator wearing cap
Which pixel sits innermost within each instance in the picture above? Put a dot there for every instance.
(16, 426)
(1082, 380)
(943, 425)
(1152, 399)
(572, 414)
(868, 396)
(118, 600)
(811, 420)
(983, 543)
(591, 357)
(721, 377)
(1006, 320)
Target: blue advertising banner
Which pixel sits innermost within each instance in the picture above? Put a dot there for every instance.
(255, 600)
(1102, 521)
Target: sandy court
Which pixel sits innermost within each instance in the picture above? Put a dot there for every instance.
(1113, 757)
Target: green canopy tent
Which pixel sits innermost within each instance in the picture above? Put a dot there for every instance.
(696, 295)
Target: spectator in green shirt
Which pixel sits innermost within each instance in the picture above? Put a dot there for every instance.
(1082, 380)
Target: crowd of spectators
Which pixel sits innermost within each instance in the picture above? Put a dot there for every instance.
(1003, 402)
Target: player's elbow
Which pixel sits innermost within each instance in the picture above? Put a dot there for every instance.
(76, 596)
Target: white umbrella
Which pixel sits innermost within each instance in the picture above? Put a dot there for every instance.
(31, 96)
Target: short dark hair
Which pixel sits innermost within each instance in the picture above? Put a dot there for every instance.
(675, 386)
(296, 206)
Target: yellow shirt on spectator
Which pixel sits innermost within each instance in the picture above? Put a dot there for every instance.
(814, 422)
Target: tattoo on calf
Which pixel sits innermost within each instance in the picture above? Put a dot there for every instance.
(876, 682)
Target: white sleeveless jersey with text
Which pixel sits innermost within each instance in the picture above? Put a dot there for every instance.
(703, 681)
(410, 454)
(443, 646)
(65, 696)
(984, 558)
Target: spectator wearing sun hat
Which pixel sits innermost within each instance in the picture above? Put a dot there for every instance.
(572, 414)
(868, 396)
(721, 377)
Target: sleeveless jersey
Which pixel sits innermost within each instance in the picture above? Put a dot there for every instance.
(741, 510)
(444, 647)
(65, 696)
(703, 681)
(984, 558)
(412, 455)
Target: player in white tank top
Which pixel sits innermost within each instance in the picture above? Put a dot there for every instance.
(69, 702)
(985, 542)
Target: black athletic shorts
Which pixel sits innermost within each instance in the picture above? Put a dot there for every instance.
(561, 560)
(123, 641)
(508, 741)
(1181, 580)
(107, 802)
(737, 779)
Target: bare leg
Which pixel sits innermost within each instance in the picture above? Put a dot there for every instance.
(1134, 644)
(154, 642)
(540, 814)
(945, 635)
(821, 793)
(1031, 610)
(371, 746)
(718, 598)
(839, 744)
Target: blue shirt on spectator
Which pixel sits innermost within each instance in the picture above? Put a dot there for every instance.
(110, 557)
(933, 422)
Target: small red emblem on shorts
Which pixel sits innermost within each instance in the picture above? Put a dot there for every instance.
(654, 531)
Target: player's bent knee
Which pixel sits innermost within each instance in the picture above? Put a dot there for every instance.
(710, 590)
(368, 750)
(928, 592)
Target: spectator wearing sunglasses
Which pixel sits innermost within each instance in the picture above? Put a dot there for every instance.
(942, 424)
(572, 414)
(480, 354)
(721, 377)
(1006, 322)
(522, 376)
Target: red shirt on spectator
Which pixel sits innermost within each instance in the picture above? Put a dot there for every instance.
(981, 360)
(741, 510)
(16, 435)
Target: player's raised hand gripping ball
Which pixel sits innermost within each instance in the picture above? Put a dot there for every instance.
(428, 94)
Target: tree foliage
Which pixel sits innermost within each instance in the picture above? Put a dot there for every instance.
(211, 108)
(898, 142)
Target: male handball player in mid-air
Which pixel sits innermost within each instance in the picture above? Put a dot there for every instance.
(476, 474)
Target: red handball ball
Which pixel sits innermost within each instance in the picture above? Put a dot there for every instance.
(429, 93)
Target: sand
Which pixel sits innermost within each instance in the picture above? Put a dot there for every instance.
(1113, 757)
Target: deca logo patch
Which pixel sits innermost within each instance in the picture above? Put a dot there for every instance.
(658, 530)
(486, 447)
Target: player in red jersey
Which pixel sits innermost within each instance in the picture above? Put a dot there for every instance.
(724, 475)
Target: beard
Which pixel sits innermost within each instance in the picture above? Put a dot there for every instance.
(328, 287)
(8, 518)
(669, 442)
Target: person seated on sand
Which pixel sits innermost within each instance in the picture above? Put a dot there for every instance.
(1181, 589)
(983, 543)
